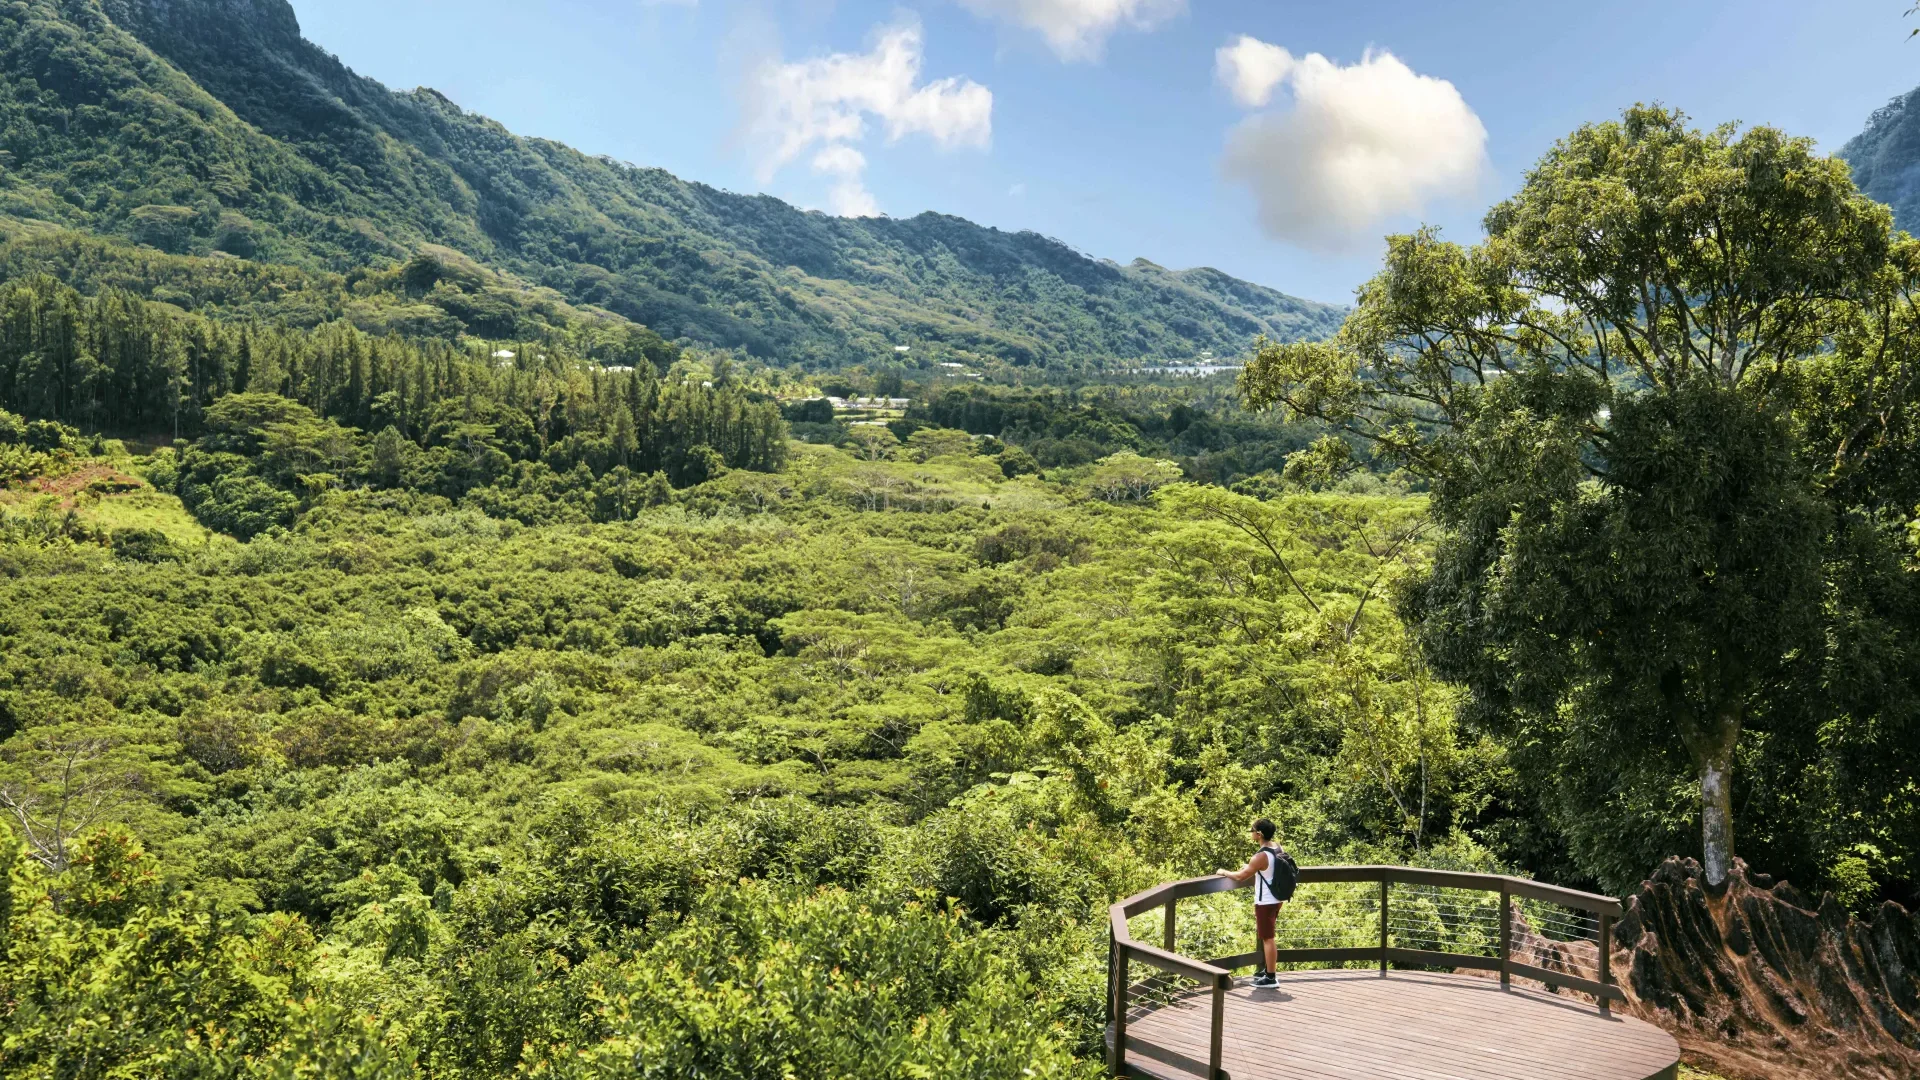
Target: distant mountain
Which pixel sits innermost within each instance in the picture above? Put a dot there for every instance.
(206, 126)
(1886, 158)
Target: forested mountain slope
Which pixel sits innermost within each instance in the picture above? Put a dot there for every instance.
(1886, 158)
(197, 126)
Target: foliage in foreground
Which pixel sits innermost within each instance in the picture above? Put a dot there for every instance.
(674, 966)
(1667, 412)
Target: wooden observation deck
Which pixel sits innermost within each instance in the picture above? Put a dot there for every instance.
(1387, 999)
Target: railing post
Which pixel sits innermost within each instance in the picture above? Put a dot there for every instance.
(1506, 936)
(1219, 1021)
(1383, 923)
(1112, 949)
(1171, 904)
(1606, 961)
(1113, 989)
(1120, 1010)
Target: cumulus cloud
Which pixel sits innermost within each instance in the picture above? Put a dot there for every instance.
(840, 160)
(1077, 29)
(1360, 143)
(828, 102)
(849, 196)
(1251, 69)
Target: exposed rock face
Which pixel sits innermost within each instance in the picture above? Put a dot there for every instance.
(1759, 982)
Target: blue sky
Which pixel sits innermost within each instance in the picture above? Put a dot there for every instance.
(1116, 125)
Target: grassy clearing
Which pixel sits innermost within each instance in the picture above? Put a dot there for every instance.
(146, 509)
(108, 496)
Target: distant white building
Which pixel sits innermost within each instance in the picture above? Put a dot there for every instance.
(869, 402)
(503, 354)
(951, 365)
(1200, 369)
(903, 348)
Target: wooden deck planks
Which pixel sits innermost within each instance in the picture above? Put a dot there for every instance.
(1358, 1025)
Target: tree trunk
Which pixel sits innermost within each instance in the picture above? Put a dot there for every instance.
(1716, 819)
(1712, 752)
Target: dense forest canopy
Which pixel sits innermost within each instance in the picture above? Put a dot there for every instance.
(931, 715)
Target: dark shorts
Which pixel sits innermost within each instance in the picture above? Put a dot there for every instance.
(1263, 916)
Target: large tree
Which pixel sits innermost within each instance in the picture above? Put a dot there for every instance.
(1664, 411)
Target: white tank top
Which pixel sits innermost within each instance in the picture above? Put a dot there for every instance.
(1263, 895)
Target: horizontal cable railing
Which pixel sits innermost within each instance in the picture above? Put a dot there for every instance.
(1360, 915)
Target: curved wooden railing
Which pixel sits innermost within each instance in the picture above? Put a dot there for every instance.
(1217, 974)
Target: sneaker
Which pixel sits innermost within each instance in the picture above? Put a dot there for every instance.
(1264, 979)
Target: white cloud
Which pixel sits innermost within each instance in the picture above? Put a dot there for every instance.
(826, 102)
(1077, 29)
(849, 196)
(1016, 191)
(1251, 69)
(840, 160)
(1360, 144)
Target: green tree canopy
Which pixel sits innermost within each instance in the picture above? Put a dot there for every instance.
(1663, 408)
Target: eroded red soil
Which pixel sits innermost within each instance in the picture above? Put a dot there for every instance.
(103, 479)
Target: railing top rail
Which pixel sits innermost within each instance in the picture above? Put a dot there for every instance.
(1176, 890)
(1161, 895)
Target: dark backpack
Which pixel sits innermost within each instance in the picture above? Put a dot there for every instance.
(1283, 874)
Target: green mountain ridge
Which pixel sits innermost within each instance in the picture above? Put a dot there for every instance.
(211, 126)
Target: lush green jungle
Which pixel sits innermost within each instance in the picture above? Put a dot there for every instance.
(446, 629)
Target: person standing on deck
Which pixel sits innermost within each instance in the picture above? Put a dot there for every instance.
(1273, 874)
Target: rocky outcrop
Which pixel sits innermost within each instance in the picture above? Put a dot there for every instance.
(1759, 981)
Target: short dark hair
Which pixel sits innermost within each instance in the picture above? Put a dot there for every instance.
(1264, 828)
